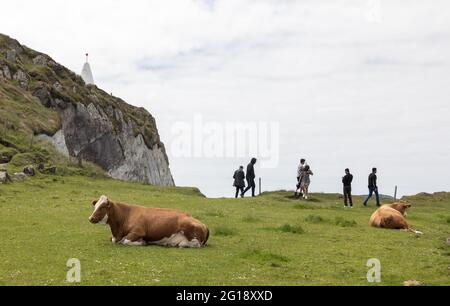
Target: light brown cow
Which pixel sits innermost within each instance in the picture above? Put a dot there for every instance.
(137, 225)
(392, 216)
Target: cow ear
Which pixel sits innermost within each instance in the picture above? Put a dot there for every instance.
(94, 202)
(408, 205)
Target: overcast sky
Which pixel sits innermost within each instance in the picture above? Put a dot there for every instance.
(356, 83)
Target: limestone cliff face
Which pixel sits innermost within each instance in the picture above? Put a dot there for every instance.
(94, 125)
(89, 133)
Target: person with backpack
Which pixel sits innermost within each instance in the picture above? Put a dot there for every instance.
(239, 183)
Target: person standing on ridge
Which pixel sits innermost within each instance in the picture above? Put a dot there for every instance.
(347, 182)
(250, 177)
(299, 175)
(373, 188)
(305, 181)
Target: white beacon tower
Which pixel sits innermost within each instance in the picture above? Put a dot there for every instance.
(86, 73)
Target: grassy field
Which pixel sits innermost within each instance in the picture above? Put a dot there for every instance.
(269, 240)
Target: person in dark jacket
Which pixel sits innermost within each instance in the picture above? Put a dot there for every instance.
(239, 183)
(250, 177)
(373, 188)
(347, 182)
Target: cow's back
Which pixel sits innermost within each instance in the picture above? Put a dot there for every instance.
(168, 226)
(388, 217)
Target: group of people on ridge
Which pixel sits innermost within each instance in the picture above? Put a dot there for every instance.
(373, 188)
(239, 177)
(303, 181)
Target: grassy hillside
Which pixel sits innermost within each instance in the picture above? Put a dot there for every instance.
(269, 240)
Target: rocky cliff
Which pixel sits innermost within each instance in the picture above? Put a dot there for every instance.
(84, 121)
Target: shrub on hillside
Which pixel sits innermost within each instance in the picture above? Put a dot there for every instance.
(29, 158)
(345, 223)
(294, 229)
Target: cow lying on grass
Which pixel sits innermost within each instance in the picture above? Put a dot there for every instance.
(136, 225)
(392, 216)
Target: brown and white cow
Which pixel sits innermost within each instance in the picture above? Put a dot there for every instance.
(392, 216)
(137, 225)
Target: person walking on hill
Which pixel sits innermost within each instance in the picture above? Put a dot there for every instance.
(347, 182)
(239, 183)
(250, 177)
(373, 188)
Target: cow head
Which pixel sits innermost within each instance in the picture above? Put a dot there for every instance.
(100, 214)
(401, 206)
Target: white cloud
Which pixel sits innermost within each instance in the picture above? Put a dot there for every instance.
(347, 91)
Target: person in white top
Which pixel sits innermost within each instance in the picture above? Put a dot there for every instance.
(299, 176)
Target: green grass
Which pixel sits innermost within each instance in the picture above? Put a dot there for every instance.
(263, 256)
(252, 219)
(294, 229)
(224, 231)
(44, 222)
(314, 219)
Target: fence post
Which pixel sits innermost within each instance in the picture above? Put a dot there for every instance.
(259, 186)
(395, 194)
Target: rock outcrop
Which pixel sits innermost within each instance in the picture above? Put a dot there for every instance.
(29, 170)
(93, 125)
(88, 132)
(4, 176)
